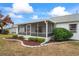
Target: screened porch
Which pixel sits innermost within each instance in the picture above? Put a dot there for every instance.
(41, 29)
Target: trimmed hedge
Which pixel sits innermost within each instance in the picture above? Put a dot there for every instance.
(61, 34)
(40, 40)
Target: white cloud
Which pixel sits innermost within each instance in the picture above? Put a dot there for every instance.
(59, 11)
(34, 17)
(22, 7)
(15, 16)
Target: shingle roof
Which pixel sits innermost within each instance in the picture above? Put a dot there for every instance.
(66, 18)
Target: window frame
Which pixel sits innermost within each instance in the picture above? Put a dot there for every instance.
(73, 28)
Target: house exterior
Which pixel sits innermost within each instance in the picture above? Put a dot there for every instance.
(69, 22)
(43, 28)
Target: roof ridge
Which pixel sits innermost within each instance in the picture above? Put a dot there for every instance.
(64, 15)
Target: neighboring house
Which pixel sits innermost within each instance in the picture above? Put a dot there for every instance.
(13, 29)
(43, 28)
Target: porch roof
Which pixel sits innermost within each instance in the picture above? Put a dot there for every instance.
(58, 19)
(35, 21)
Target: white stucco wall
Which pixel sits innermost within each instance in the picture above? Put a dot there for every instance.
(13, 30)
(17, 30)
(66, 25)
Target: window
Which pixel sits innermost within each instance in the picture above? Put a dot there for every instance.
(73, 27)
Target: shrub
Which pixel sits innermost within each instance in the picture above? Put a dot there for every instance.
(61, 34)
(40, 40)
(30, 38)
(15, 36)
(5, 31)
(21, 38)
(33, 39)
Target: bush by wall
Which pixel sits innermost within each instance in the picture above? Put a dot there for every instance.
(40, 40)
(61, 34)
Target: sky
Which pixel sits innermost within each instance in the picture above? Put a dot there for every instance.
(26, 12)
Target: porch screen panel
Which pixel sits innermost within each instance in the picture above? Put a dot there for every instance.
(28, 29)
(42, 30)
(34, 30)
(22, 29)
(50, 29)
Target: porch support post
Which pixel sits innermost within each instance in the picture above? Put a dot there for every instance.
(37, 29)
(30, 29)
(26, 29)
(46, 29)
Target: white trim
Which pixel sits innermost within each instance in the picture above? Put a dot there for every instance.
(46, 29)
(26, 29)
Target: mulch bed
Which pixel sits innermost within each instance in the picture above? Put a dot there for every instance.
(31, 43)
(26, 42)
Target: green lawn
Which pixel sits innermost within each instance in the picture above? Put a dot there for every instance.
(14, 48)
(6, 35)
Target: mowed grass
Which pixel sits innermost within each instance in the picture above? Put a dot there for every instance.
(14, 48)
(75, 43)
(6, 35)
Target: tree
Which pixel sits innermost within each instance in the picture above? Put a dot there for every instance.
(6, 20)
